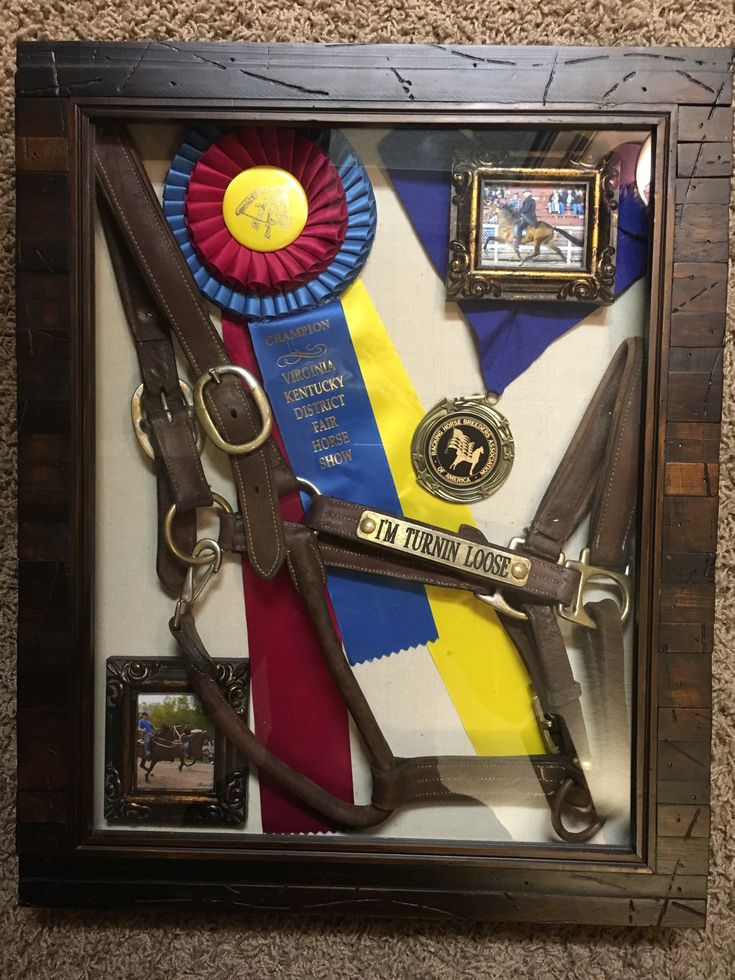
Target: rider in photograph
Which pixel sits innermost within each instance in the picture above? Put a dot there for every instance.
(146, 726)
(528, 216)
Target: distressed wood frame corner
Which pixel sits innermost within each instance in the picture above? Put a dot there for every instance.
(685, 94)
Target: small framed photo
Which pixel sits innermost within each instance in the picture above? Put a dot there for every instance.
(532, 233)
(164, 761)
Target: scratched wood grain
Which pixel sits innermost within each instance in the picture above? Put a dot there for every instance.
(696, 85)
(704, 159)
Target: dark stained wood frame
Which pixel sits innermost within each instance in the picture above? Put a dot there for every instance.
(684, 96)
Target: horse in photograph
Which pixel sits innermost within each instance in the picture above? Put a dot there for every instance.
(169, 744)
(542, 234)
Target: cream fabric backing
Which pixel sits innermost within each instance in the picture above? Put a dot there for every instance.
(434, 342)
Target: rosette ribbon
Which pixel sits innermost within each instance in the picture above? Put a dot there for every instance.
(324, 260)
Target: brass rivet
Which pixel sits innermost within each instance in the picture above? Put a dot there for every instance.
(518, 570)
(367, 525)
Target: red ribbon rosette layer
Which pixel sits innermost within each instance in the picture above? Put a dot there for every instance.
(265, 273)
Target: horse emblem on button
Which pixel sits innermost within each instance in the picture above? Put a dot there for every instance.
(265, 208)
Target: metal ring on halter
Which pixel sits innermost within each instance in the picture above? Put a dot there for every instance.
(260, 398)
(594, 826)
(193, 559)
(308, 487)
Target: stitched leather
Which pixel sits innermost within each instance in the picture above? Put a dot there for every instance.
(141, 223)
(179, 475)
(599, 470)
(552, 583)
(505, 780)
(339, 519)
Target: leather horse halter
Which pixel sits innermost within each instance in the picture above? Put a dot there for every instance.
(530, 584)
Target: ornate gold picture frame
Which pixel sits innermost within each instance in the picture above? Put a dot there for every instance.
(532, 233)
(165, 762)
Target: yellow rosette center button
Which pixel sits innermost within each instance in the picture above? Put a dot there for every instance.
(265, 208)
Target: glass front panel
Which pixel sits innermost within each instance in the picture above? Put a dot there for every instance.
(431, 312)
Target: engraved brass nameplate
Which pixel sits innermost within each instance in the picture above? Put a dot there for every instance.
(444, 548)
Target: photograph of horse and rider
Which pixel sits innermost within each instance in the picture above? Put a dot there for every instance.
(176, 739)
(539, 224)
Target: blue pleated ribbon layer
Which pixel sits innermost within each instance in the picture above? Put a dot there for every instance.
(312, 376)
(342, 271)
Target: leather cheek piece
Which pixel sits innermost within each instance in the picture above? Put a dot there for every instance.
(148, 254)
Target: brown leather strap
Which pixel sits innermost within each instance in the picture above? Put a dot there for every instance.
(131, 199)
(429, 779)
(309, 577)
(612, 519)
(541, 646)
(339, 520)
(598, 472)
(605, 684)
(553, 583)
(493, 781)
(204, 681)
(180, 478)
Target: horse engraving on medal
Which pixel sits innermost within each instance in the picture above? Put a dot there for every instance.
(462, 450)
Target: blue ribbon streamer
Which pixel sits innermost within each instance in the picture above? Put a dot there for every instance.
(332, 439)
(510, 337)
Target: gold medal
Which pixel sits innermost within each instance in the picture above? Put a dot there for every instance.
(463, 450)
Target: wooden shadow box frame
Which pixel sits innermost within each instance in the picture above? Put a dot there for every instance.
(684, 97)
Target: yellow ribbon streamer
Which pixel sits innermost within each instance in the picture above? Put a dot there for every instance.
(479, 665)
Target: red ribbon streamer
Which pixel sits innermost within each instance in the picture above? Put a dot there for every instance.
(299, 712)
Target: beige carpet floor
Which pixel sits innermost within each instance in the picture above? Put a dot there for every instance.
(83, 946)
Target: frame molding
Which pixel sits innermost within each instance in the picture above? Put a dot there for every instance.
(685, 94)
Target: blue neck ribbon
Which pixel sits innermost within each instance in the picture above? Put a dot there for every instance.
(509, 336)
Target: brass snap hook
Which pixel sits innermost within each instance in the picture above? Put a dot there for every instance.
(558, 803)
(197, 577)
(620, 581)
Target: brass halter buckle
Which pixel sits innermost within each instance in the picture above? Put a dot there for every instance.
(138, 417)
(620, 581)
(260, 398)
